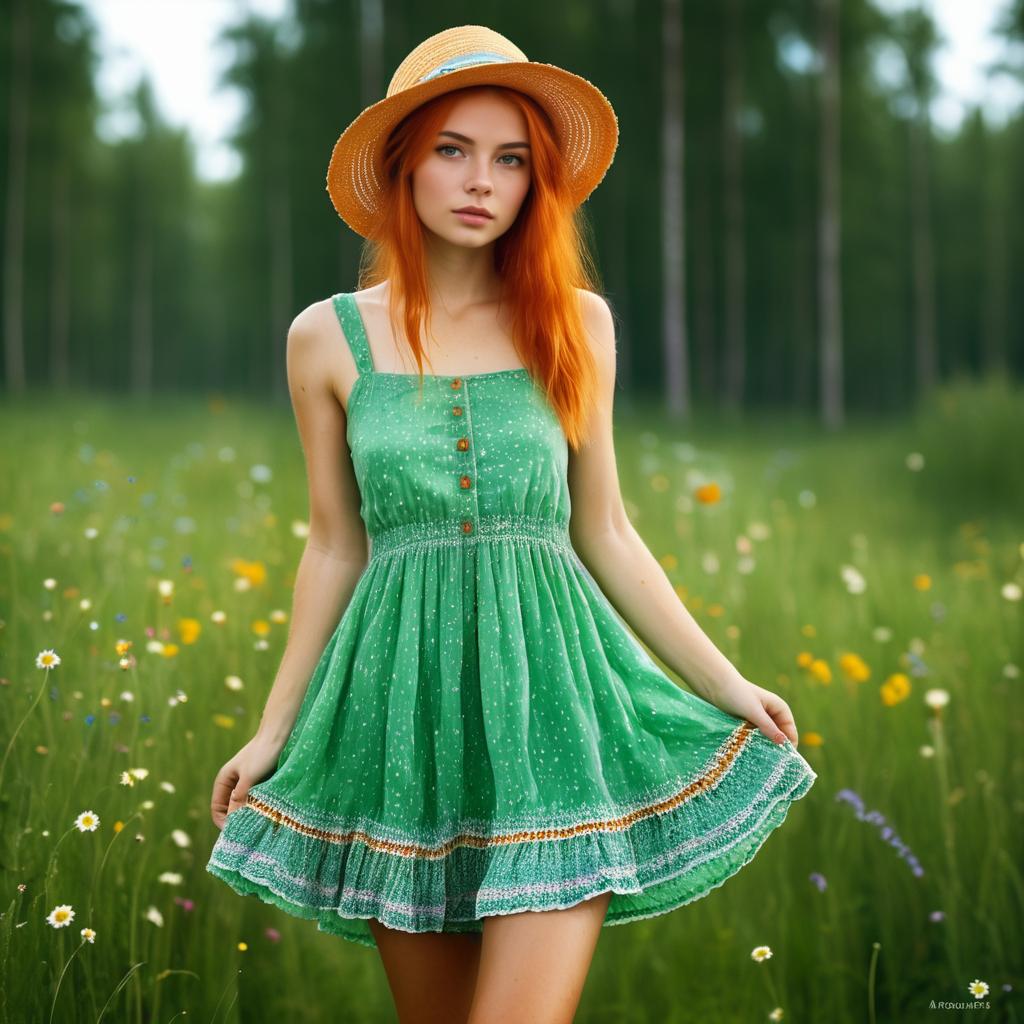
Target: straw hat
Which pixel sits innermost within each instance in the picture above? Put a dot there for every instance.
(585, 123)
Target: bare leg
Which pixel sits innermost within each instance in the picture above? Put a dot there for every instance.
(431, 974)
(533, 965)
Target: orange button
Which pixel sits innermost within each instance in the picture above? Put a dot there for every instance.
(464, 482)
(462, 444)
(467, 526)
(456, 384)
(456, 410)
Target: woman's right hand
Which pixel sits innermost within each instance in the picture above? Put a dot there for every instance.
(256, 761)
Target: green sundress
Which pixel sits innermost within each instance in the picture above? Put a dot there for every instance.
(483, 734)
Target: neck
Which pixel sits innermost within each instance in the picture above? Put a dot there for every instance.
(460, 277)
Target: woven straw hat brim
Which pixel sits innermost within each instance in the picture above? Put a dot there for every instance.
(585, 123)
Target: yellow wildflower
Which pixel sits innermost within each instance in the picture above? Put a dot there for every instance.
(189, 630)
(854, 667)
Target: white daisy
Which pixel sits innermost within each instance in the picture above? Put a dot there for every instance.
(170, 878)
(978, 989)
(61, 916)
(760, 953)
(88, 934)
(181, 838)
(87, 821)
(855, 582)
(154, 915)
(47, 659)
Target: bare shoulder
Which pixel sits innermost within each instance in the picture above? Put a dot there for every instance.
(599, 323)
(374, 294)
(317, 353)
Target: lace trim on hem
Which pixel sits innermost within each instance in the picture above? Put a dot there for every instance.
(765, 808)
(728, 753)
(444, 831)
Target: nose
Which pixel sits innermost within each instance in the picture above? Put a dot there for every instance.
(479, 182)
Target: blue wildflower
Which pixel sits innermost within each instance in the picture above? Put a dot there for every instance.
(886, 831)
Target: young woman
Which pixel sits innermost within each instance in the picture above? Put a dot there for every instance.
(467, 759)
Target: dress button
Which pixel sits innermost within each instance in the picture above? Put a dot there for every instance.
(456, 410)
(467, 526)
(457, 383)
(464, 482)
(463, 444)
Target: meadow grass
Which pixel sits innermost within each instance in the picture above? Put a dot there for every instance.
(862, 576)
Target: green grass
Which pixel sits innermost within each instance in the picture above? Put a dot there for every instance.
(167, 486)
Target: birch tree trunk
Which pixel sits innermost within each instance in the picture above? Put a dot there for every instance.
(60, 286)
(14, 232)
(925, 358)
(141, 330)
(830, 338)
(674, 340)
(735, 248)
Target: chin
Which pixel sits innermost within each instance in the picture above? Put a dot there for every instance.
(471, 239)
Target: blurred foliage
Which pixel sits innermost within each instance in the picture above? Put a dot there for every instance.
(130, 273)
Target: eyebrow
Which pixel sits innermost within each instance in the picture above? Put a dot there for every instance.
(504, 145)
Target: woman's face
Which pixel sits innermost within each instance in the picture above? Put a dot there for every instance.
(481, 158)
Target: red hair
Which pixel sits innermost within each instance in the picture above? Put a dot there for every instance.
(542, 259)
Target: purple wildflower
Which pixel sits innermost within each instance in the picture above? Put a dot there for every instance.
(819, 880)
(886, 831)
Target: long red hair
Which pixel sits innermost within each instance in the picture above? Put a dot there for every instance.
(542, 259)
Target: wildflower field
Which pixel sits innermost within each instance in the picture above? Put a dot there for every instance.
(873, 578)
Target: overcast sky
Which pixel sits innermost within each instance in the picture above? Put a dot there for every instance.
(173, 42)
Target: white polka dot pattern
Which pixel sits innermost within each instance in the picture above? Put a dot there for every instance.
(483, 733)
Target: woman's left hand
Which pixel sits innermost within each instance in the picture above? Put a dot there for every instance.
(767, 710)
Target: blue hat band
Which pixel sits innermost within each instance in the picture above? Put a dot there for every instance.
(467, 60)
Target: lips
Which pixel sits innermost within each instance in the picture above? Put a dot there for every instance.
(476, 210)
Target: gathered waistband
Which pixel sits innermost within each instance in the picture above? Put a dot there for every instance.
(452, 532)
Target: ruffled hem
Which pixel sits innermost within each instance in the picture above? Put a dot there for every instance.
(652, 857)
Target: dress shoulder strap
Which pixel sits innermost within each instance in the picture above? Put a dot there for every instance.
(351, 321)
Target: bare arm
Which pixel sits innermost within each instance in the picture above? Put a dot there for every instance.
(331, 564)
(336, 550)
(630, 576)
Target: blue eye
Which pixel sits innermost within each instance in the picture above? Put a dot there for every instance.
(515, 156)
